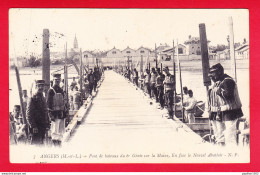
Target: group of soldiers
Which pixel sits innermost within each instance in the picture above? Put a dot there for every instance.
(90, 81)
(157, 84)
(46, 116)
(225, 107)
(161, 86)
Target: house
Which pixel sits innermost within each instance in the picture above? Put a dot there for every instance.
(114, 53)
(142, 51)
(193, 46)
(129, 53)
(87, 57)
(242, 52)
(19, 62)
(166, 54)
(223, 55)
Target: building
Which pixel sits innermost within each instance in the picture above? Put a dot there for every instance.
(110, 57)
(114, 53)
(128, 52)
(166, 54)
(223, 55)
(193, 46)
(88, 57)
(19, 62)
(142, 51)
(242, 52)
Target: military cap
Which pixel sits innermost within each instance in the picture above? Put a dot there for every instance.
(216, 68)
(185, 88)
(17, 106)
(165, 68)
(40, 82)
(57, 76)
(190, 92)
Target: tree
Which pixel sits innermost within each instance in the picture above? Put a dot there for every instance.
(33, 62)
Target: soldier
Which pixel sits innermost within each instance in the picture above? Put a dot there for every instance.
(159, 85)
(25, 99)
(37, 115)
(152, 84)
(147, 78)
(76, 98)
(96, 78)
(56, 108)
(189, 105)
(168, 91)
(91, 80)
(135, 77)
(71, 97)
(225, 106)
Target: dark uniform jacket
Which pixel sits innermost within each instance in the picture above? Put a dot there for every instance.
(36, 113)
(50, 94)
(91, 78)
(226, 91)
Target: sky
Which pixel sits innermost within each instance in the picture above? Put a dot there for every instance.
(103, 29)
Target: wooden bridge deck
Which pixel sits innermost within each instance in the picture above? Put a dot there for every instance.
(121, 120)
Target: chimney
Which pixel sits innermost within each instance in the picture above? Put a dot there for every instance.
(189, 36)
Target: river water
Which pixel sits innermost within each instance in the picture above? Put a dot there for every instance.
(192, 79)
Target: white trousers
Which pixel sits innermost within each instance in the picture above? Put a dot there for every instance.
(225, 132)
(190, 118)
(57, 129)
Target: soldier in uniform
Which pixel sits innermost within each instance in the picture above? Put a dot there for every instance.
(225, 106)
(56, 109)
(159, 86)
(91, 80)
(37, 115)
(168, 91)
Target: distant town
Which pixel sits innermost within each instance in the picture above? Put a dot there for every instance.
(189, 50)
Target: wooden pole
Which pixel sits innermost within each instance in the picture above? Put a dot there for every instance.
(156, 63)
(174, 73)
(66, 75)
(232, 48)
(205, 60)
(204, 54)
(179, 68)
(80, 75)
(21, 97)
(46, 59)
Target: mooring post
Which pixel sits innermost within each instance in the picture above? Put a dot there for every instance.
(232, 48)
(205, 60)
(21, 97)
(155, 51)
(174, 73)
(46, 59)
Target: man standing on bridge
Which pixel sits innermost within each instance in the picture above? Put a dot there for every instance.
(37, 115)
(159, 85)
(168, 91)
(152, 84)
(225, 106)
(91, 80)
(56, 108)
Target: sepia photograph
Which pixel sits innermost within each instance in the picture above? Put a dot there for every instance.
(129, 85)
